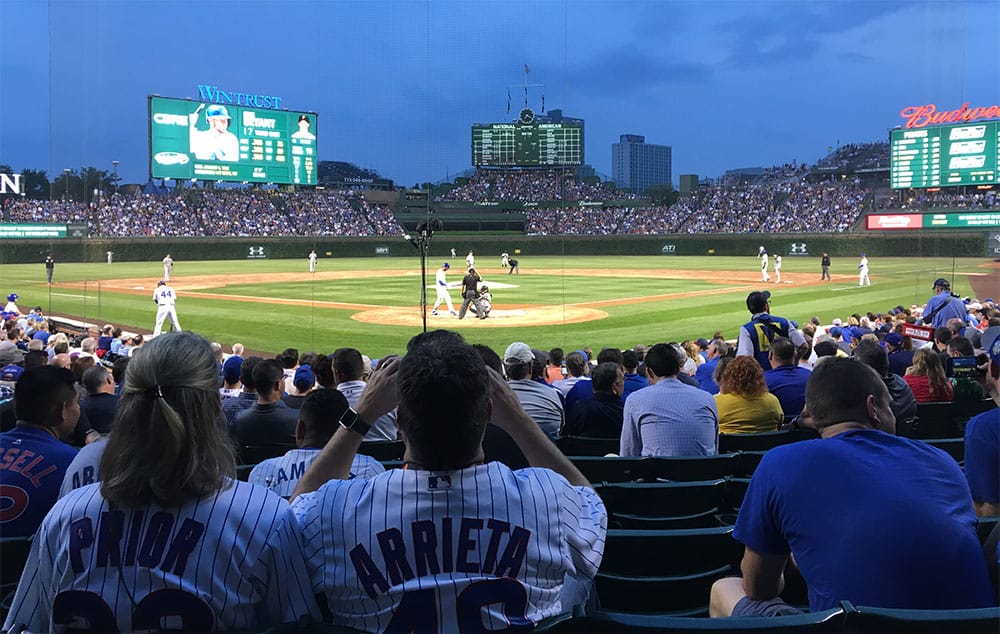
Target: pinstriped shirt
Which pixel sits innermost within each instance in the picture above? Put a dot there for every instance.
(482, 547)
(670, 418)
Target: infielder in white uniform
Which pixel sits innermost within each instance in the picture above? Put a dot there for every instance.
(777, 269)
(165, 298)
(470, 260)
(447, 543)
(168, 267)
(168, 540)
(319, 417)
(441, 286)
(764, 277)
(863, 279)
(312, 261)
(504, 258)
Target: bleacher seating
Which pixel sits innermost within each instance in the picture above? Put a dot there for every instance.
(579, 446)
(653, 469)
(762, 441)
(667, 505)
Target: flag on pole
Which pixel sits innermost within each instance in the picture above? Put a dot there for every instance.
(508, 101)
(526, 69)
(543, 104)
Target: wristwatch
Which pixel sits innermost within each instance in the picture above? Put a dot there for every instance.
(350, 421)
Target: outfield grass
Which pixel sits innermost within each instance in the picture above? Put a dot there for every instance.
(272, 327)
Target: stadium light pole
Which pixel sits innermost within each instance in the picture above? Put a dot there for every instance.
(114, 164)
(66, 172)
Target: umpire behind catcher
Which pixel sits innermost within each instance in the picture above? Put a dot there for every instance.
(447, 543)
(470, 294)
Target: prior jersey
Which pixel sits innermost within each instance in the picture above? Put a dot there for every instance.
(32, 464)
(477, 549)
(230, 561)
(281, 474)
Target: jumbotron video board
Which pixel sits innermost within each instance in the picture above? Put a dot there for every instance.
(945, 156)
(211, 141)
(527, 143)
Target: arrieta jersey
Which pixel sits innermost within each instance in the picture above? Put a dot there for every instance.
(229, 561)
(477, 549)
(281, 474)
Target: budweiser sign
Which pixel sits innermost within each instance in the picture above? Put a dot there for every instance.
(928, 114)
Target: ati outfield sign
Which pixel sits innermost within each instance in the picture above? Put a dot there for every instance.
(669, 249)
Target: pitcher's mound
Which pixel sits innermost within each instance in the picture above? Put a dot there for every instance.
(512, 316)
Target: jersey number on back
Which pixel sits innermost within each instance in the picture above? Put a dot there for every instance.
(158, 611)
(418, 610)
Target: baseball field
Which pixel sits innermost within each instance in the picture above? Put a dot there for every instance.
(373, 303)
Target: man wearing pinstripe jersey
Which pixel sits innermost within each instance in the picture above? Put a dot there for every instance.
(447, 543)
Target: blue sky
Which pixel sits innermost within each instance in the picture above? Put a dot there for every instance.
(398, 84)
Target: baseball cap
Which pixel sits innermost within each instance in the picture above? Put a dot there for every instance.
(836, 321)
(446, 266)
(702, 343)
(518, 352)
(231, 369)
(304, 377)
(217, 111)
(160, 283)
(11, 373)
(894, 339)
(836, 331)
(857, 333)
(943, 283)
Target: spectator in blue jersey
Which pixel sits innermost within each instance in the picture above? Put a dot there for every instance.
(706, 371)
(757, 334)
(899, 357)
(982, 442)
(33, 456)
(584, 390)
(943, 306)
(869, 517)
(786, 379)
(633, 380)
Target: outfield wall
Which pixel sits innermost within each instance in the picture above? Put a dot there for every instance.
(918, 244)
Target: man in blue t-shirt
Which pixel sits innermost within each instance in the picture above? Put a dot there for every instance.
(869, 517)
(982, 443)
(786, 379)
(33, 456)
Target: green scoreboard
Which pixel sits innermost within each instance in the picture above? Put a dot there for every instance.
(527, 143)
(945, 156)
(223, 142)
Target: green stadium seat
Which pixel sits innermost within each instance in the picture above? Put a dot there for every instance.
(692, 468)
(579, 446)
(669, 553)
(663, 505)
(611, 469)
(871, 619)
(762, 441)
(677, 596)
(748, 462)
(604, 621)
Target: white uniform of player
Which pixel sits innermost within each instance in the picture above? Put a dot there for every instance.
(281, 474)
(777, 269)
(470, 550)
(165, 297)
(441, 286)
(764, 277)
(232, 561)
(453, 255)
(312, 261)
(470, 260)
(168, 267)
(504, 259)
(863, 279)
(110, 256)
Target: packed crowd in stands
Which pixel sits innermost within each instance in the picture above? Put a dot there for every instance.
(923, 201)
(219, 212)
(131, 406)
(782, 206)
(530, 186)
(855, 157)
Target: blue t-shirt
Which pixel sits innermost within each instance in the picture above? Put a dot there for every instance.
(32, 465)
(982, 456)
(788, 383)
(871, 518)
(704, 376)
